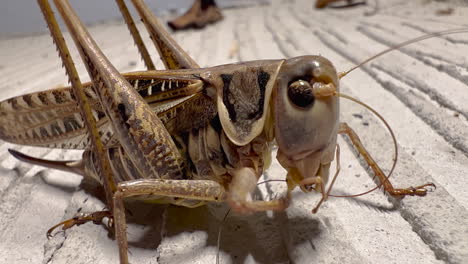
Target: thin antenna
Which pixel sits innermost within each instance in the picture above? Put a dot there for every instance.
(427, 36)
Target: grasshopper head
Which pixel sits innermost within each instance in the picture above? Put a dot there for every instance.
(306, 117)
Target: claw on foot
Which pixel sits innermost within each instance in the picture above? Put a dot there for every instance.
(418, 191)
(95, 217)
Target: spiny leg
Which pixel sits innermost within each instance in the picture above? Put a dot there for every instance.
(138, 129)
(173, 56)
(103, 163)
(388, 187)
(135, 35)
(77, 166)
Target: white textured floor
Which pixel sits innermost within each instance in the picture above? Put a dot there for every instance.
(421, 90)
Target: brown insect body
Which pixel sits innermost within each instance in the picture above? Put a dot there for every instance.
(187, 135)
(243, 95)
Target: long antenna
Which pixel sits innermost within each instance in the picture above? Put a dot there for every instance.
(427, 36)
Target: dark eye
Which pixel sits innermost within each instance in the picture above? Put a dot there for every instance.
(300, 93)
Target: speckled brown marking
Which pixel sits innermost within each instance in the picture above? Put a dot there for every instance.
(72, 95)
(262, 79)
(244, 94)
(34, 134)
(100, 115)
(43, 98)
(27, 98)
(71, 124)
(227, 78)
(14, 104)
(90, 94)
(55, 129)
(123, 114)
(29, 111)
(60, 97)
(44, 132)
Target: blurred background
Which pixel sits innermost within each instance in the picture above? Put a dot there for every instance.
(23, 17)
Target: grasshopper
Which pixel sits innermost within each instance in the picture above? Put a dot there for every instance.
(186, 135)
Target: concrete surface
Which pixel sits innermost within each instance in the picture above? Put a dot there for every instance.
(421, 90)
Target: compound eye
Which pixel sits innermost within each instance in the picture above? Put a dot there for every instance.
(300, 94)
